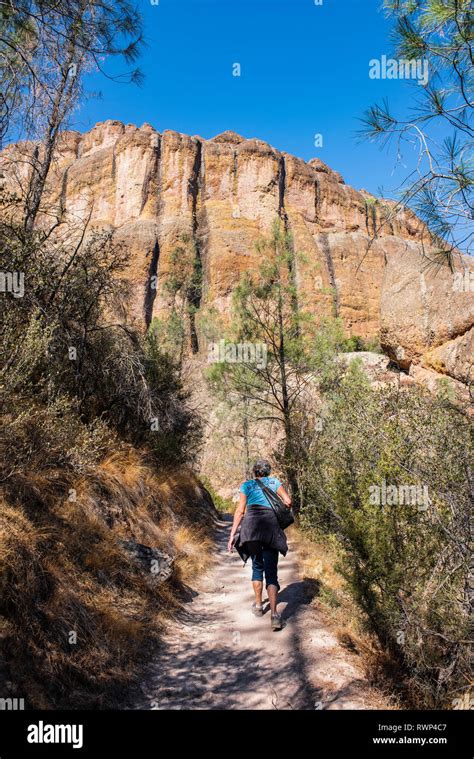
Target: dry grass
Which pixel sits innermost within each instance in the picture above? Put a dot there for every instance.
(319, 561)
(64, 573)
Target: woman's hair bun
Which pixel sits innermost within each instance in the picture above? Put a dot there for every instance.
(262, 468)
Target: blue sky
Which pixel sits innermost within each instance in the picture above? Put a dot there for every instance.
(304, 71)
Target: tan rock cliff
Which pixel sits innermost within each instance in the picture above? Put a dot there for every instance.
(221, 195)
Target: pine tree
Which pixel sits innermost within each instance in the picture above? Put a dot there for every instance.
(46, 48)
(268, 317)
(440, 186)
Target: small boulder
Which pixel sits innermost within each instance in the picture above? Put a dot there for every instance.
(157, 564)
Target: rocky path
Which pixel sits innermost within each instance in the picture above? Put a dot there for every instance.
(219, 656)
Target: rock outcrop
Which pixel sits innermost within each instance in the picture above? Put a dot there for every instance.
(210, 200)
(427, 312)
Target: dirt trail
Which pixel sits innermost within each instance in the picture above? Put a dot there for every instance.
(219, 656)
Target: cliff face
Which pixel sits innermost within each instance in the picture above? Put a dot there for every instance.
(212, 199)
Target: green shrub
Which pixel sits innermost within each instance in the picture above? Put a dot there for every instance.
(66, 338)
(224, 505)
(92, 442)
(389, 474)
(358, 343)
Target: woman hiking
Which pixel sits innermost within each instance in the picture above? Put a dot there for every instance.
(260, 536)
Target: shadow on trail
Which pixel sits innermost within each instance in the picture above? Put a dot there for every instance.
(220, 657)
(298, 594)
(212, 680)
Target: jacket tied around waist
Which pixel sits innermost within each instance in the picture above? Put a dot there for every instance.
(260, 524)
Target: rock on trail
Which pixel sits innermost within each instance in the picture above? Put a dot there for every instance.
(219, 656)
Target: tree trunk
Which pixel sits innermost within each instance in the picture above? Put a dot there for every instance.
(61, 105)
(289, 448)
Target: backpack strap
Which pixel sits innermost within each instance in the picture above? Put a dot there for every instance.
(263, 489)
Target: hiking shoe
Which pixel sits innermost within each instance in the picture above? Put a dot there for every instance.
(277, 624)
(257, 610)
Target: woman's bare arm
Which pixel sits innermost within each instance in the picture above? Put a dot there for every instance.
(238, 516)
(284, 496)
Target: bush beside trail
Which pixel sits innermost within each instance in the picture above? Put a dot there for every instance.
(95, 428)
(389, 476)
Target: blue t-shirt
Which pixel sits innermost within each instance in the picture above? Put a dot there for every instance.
(255, 495)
